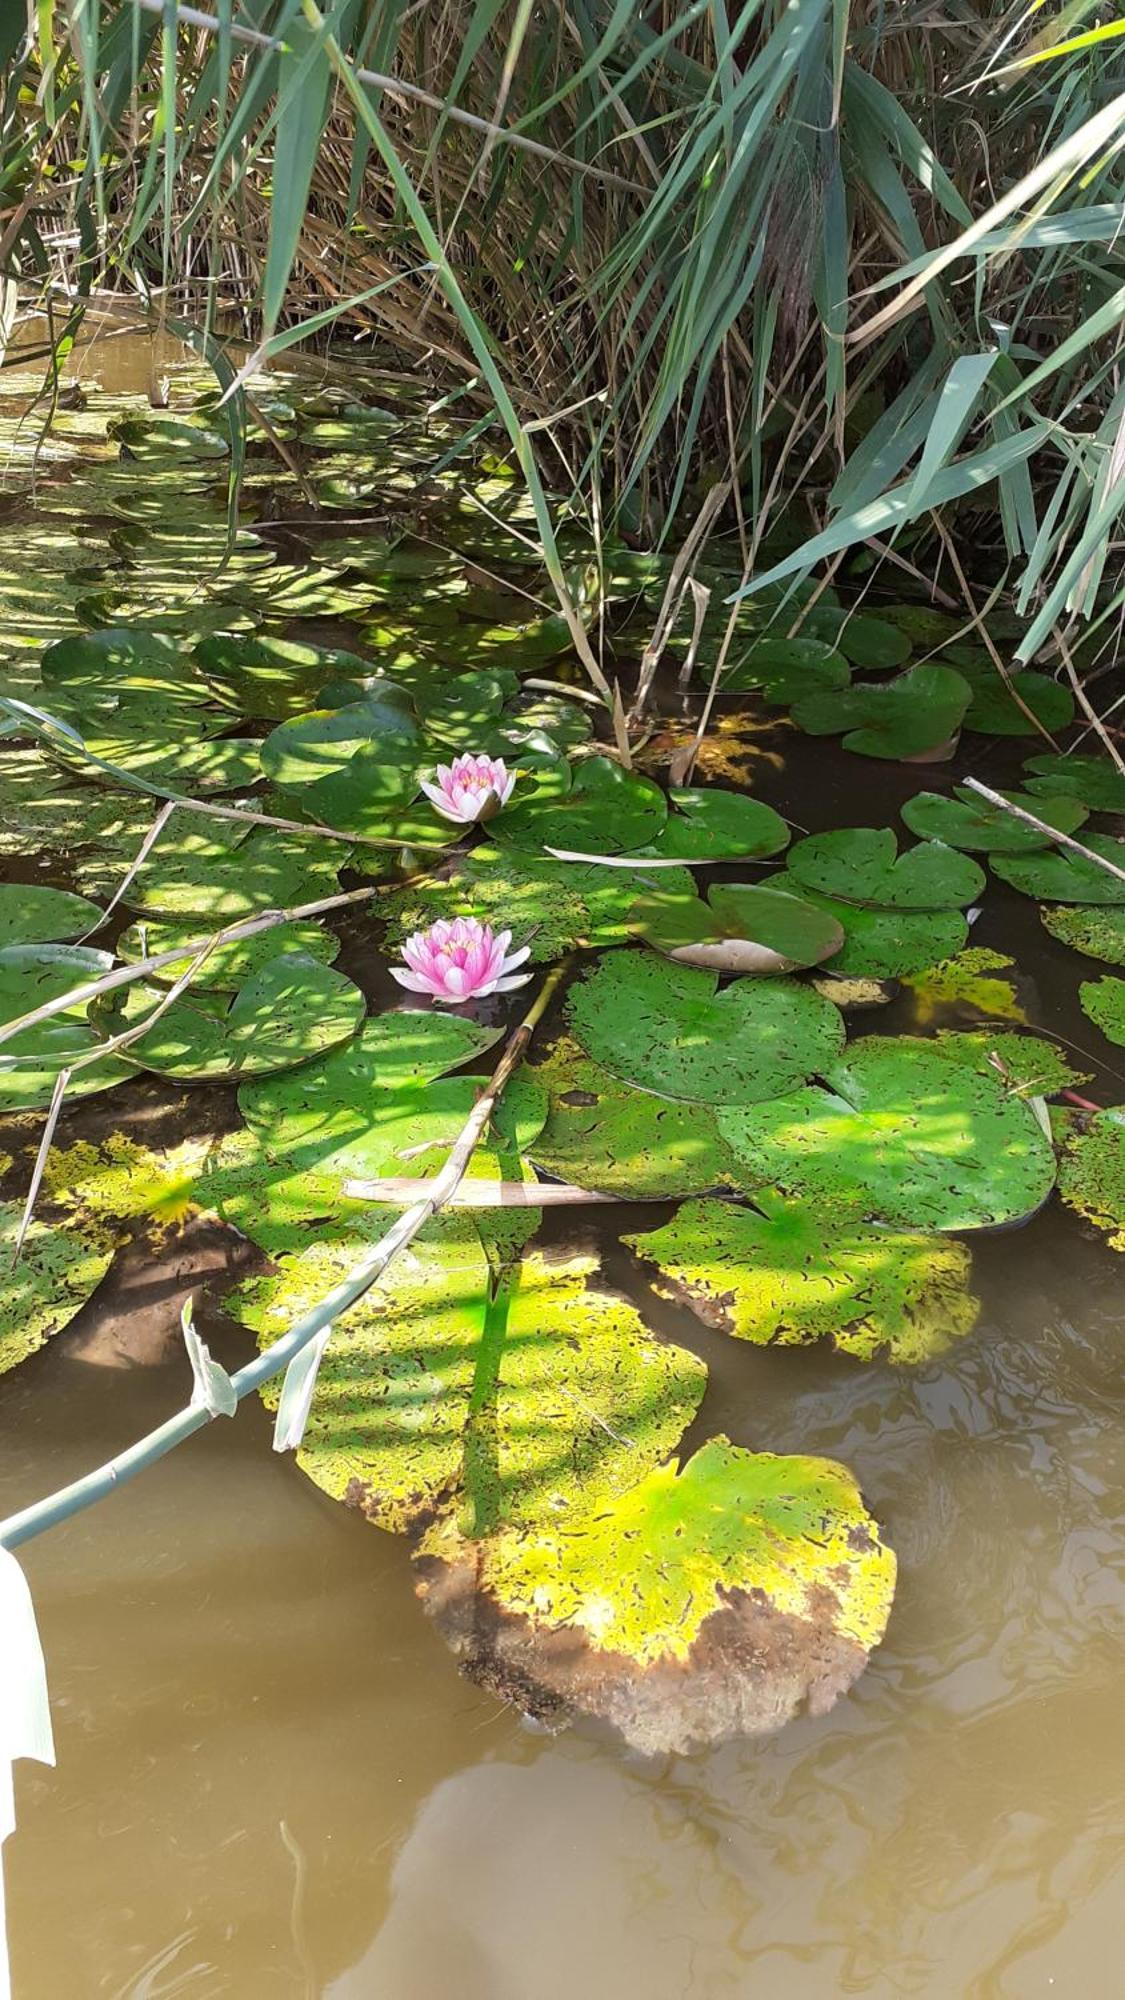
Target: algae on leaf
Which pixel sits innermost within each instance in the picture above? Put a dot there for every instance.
(717, 1598)
(790, 1272)
(57, 1271)
(1092, 1173)
(1103, 1002)
(1098, 933)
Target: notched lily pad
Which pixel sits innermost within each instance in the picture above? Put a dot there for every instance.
(292, 1009)
(905, 1133)
(602, 1134)
(916, 715)
(30, 1061)
(883, 944)
(717, 825)
(861, 864)
(1093, 780)
(666, 1028)
(708, 1601)
(606, 811)
(1060, 877)
(787, 1272)
(784, 670)
(968, 821)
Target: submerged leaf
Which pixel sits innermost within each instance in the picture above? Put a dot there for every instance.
(667, 1029)
(964, 981)
(708, 1600)
(787, 1272)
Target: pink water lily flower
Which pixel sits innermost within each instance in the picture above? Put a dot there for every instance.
(470, 788)
(460, 961)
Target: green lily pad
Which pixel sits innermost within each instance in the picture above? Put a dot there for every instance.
(392, 1052)
(514, 1409)
(1094, 780)
(1097, 933)
(1103, 1003)
(230, 965)
(904, 1133)
(602, 1134)
(229, 765)
(159, 438)
(291, 1010)
(667, 1029)
(871, 644)
(714, 1600)
(747, 927)
(994, 710)
(462, 709)
(1092, 1173)
(273, 677)
(552, 906)
(915, 715)
(788, 1273)
(607, 811)
(30, 914)
(861, 864)
(121, 661)
(785, 670)
(718, 826)
(231, 873)
(883, 944)
(1060, 877)
(58, 1270)
(347, 765)
(968, 821)
(30, 1061)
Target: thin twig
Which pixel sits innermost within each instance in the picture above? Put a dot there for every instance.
(1087, 706)
(110, 1477)
(400, 1188)
(1040, 825)
(135, 866)
(124, 975)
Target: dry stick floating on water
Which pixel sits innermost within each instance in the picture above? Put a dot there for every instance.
(107, 1478)
(247, 927)
(1052, 832)
(482, 1194)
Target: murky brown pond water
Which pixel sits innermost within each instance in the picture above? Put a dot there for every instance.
(272, 1782)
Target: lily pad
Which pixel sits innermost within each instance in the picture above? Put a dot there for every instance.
(994, 711)
(883, 944)
(904, 1133)
(122, 661)
(1060, 877)
(915, 715)
(30, 914)
(861, 864)
(785, 670)
(789, 1273)
(1028, 1065)
(602, 1134)
(30, 1061)
(291, 1010)
(230, 873)
(746, 927)
(1097, 933)
(392, 1052)
(230, 965)
(1103, 1003)
(718, 826)
(607, 811)
(667, 1029)
(513, 1409)
(273, 677)
(968, 821)
(715, 1600)
(873, 645)
(1094, 780)
(552, 906)
(348, 763)
(58, 1270)
(196, 768)
(1092, 1173)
